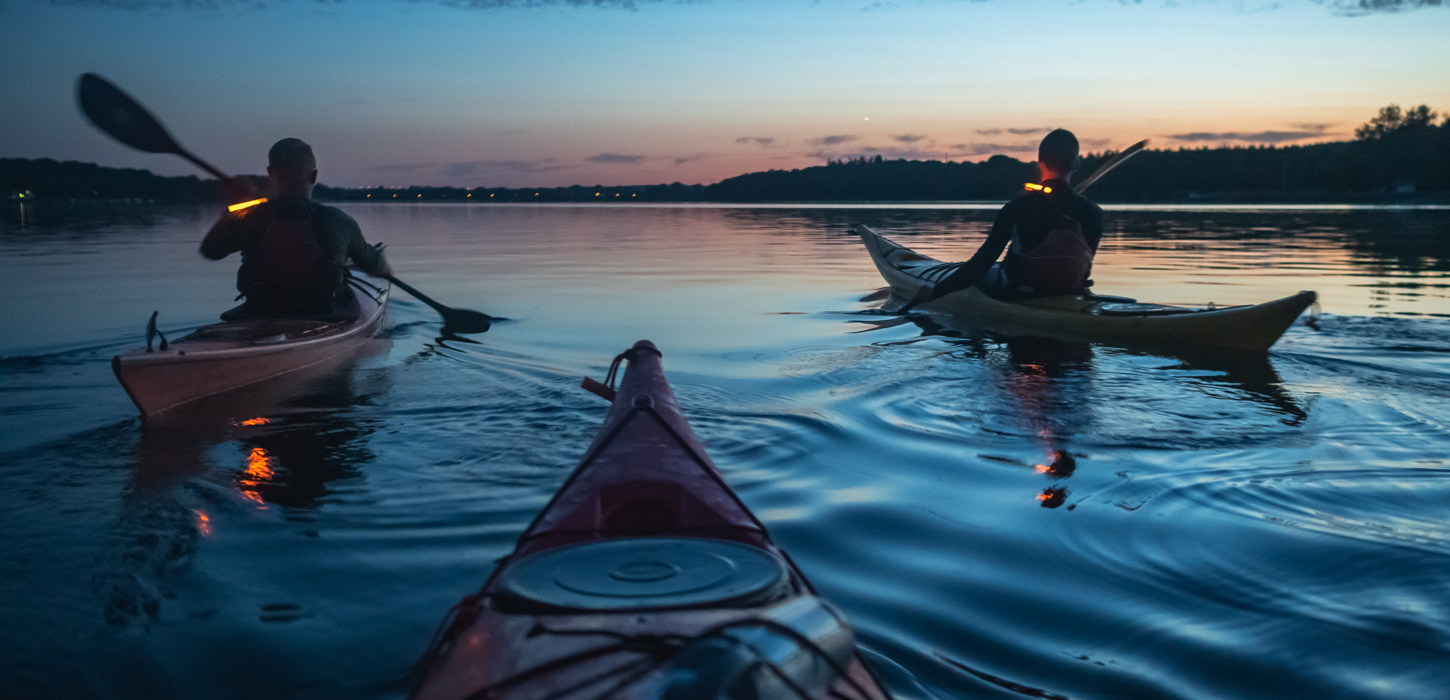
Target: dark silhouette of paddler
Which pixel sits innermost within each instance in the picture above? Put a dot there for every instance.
(1050, 234)
(294, 250)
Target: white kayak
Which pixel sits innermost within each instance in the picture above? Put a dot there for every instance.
(1114, 320)
(230, 355)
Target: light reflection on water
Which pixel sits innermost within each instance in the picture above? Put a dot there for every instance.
(1086, 521)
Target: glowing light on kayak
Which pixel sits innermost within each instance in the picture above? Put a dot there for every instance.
(246, 205)
(1034, 187)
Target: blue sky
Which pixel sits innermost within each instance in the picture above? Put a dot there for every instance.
(499, 93)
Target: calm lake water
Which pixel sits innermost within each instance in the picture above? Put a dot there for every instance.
(1256, 527)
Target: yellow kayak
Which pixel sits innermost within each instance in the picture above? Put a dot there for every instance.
(1113, 320)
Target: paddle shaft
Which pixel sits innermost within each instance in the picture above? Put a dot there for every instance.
(440, 308)
(1111, 163)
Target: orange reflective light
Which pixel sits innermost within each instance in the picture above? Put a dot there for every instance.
(203, 523)
(258, 465)
(1038, 188)
(246, 205)
(256, 421)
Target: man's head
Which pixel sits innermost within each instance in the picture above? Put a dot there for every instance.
(292, 167)
(1057, 156)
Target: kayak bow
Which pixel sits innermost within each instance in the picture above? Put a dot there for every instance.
(234, 354)
(1087, 316)
(645, 577)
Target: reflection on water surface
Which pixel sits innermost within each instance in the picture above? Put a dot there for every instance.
(1000, 516)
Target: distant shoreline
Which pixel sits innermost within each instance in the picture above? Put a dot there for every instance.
(1405, 167)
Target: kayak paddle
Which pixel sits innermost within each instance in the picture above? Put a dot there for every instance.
(1111, 163)
(1079, 188)
(124, 119)
(455, 320)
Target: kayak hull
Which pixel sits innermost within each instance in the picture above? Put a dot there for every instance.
(228, 356)
(1088, 317)
(644, 479)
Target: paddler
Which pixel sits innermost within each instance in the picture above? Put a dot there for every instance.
(294, 250)
(1050, 234)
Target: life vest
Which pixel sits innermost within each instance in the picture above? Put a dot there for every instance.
(1060, 264)
(291, 273)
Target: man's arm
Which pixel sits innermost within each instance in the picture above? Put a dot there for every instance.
(976, 267)
(1092, 229)
(225, 237)
(369, 259)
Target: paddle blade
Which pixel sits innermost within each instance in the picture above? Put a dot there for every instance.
(466, 321)
(115, 113)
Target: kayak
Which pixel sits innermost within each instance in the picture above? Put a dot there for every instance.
(645, 577)
(1085, 316)
(233, 354)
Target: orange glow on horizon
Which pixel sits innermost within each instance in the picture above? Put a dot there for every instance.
(245, 205)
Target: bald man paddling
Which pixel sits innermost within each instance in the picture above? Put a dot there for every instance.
(1050, 234)
(294, 250)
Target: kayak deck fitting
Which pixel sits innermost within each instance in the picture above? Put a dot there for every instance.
(1089, 317)
(233, 354)
(645, 577)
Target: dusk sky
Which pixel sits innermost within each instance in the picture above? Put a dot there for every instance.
(558, 92)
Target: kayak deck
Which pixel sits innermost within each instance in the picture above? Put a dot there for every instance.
(645, 486)
(1088, 317)
(230, 355)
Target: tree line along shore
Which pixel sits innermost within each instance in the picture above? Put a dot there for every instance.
(1400, 155)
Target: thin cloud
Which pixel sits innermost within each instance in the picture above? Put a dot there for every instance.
(909, 138)
(834, 140)
(1029, 130)
(991, 149)
(474, 168)
(399, 168)
(989, 132)
(613, 158)
(1351, 8)
(1367, 7)
(681, 160)
(1248, 136)
(261, 4)
(762, 141)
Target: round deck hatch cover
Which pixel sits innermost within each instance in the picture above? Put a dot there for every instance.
(645, 573)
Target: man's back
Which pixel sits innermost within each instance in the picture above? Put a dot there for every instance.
(293, 254)
(1031, 220)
